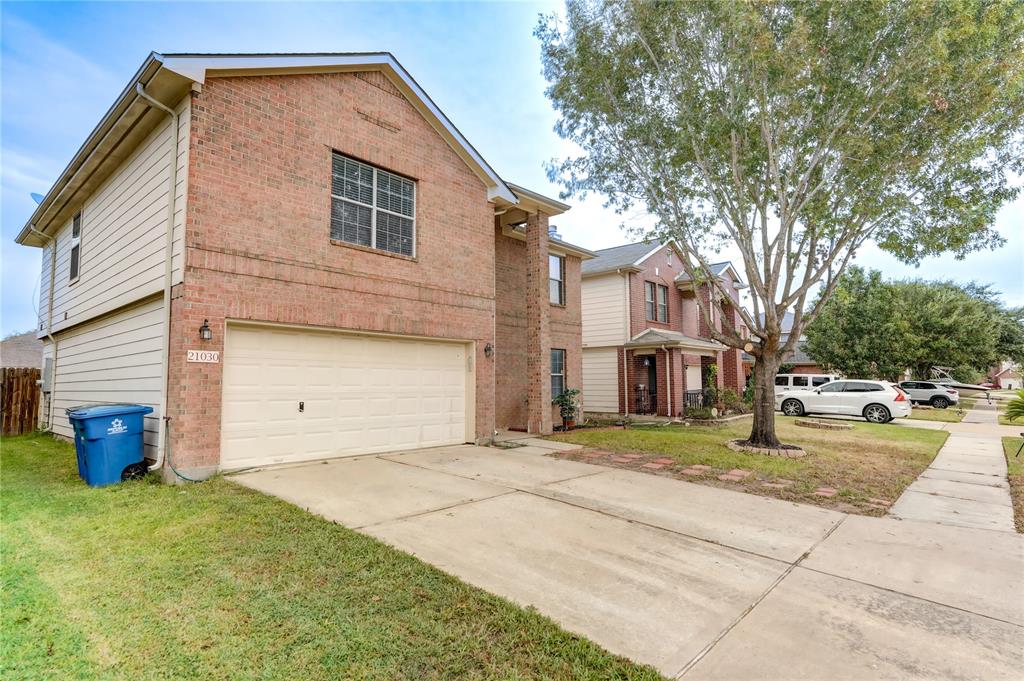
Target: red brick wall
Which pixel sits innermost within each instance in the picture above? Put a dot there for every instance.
(807, 369)
(511, 340)
(258, 233)
(566, 326)
(513, 353)
(657, 269)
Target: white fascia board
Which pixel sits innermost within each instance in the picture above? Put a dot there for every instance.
(657, 247)
(197, 67)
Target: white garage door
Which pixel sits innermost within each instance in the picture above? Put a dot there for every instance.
(295, 395)
(600, 380)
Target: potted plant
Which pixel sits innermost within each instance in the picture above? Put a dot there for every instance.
(568, 406)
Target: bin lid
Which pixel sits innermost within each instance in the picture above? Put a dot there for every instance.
(87, 411)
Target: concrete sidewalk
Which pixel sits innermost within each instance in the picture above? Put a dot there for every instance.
(966, 483)
(701, 583)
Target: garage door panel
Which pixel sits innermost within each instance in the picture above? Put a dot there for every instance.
(361, 394)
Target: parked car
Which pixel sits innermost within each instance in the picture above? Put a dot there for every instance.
(876, 401)
(925, 392)
(784, 382)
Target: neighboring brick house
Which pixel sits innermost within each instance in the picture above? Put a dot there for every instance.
(646, 346)
(1006, 376)
(799, 361)
(21, 350)
(345, 273)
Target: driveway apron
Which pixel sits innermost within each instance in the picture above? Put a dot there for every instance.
(698, 582)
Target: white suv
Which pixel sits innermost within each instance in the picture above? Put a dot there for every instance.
(876, 401)
(925, 392)
(784, 382)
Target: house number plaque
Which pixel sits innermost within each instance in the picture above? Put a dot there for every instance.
(205, 356)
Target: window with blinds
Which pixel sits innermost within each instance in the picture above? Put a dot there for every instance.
(372, 207)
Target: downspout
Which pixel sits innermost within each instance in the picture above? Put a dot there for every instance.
(162, 432)
(49, 319)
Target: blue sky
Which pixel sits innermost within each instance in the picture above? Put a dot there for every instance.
(64, 63)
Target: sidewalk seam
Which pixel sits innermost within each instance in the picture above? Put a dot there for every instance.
(771, 587)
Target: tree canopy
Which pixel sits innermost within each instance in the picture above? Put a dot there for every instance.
(794, 131)
(878, 329)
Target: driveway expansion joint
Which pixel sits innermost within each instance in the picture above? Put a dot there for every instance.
(771, 587)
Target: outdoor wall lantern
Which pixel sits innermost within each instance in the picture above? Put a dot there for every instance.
(488, 350)
(205, 332)
(647, 361)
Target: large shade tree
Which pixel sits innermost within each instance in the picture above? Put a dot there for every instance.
(879, 329)
(793, 132)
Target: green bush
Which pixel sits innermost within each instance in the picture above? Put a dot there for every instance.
(733, 402)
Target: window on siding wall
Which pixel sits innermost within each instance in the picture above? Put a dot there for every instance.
(556, 279)
(75, 264)
(557, 372)
(372, 207)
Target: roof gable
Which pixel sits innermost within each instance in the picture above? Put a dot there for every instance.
(199, 67)
(167, 77)
(629, 256)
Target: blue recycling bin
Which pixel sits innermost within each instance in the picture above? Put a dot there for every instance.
(108, 442)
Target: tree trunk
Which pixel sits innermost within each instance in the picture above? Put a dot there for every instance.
(762, 433)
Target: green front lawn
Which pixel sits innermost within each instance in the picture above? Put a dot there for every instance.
(1015, 473)
(215, 581)
(869, 462)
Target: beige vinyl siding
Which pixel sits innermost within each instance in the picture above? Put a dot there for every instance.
(123, 234)
(115, 358)
(600, 380)
(604, 305)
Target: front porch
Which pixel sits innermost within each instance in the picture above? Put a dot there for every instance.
(663, 373)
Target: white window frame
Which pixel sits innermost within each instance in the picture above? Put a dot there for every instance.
(565, 358)
(560, 279)
(76, 241)
(658, 305)
(374, 208)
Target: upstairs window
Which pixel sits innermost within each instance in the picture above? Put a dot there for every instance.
(656, 301)
(76, 248)
(556, 279)
(372, 207)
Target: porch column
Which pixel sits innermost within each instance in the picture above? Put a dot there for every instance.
(538, 304)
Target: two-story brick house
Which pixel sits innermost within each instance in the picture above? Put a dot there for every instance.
(293, 257)
(646, 345)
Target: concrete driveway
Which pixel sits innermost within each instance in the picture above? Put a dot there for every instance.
(701, 583)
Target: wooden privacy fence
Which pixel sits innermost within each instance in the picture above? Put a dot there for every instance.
(19, 401)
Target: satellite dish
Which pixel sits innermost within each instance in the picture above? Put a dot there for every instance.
(38, 198)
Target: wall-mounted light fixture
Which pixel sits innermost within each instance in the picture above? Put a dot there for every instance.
(488, 350)
(647, 361)
(205, 332)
